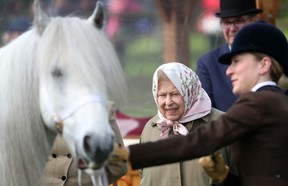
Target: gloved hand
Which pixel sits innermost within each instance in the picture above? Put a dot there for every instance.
(215, 167)
(120, 153)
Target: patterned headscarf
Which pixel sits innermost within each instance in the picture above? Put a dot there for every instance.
(196, 101)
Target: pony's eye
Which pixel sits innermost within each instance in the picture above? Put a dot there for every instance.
(57, 72)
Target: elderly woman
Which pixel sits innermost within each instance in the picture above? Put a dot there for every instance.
(182, 106)
(256, 125)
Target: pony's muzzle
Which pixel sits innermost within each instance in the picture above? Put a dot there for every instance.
(96, 150)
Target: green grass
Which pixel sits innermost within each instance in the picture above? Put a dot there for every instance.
(142, 57)
(199, 45)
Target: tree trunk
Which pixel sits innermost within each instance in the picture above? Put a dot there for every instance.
(175, 15)
(270, 10)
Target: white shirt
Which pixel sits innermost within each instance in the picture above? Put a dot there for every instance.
(262, 84)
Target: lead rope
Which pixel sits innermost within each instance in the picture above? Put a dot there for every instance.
(99, 178)
(79, 177)
(93, 179)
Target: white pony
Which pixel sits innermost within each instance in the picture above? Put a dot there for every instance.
(56, 77)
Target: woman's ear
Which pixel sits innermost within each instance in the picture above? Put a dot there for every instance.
(265, 65)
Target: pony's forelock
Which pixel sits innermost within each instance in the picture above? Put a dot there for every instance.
(95, 60)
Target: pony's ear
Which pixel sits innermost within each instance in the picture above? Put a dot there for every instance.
(41, 20)
(97, 17)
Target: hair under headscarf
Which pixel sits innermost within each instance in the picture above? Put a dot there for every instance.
(197, 102)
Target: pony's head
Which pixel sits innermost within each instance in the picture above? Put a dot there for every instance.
(77, 69)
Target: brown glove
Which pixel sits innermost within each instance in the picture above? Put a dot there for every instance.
(215, 167)
(120, 153)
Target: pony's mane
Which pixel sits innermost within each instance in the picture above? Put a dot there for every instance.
(25, 142)
(20, 119)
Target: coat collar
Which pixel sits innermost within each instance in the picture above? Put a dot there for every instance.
(270, 87)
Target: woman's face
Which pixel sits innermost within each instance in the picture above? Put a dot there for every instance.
(244, 73)
(170, 102)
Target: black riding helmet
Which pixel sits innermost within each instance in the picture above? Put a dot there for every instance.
(260, 37)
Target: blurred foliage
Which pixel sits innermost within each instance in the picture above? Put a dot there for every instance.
(13, 8)
(282, 19)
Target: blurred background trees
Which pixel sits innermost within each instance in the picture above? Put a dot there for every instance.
(137, 30)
